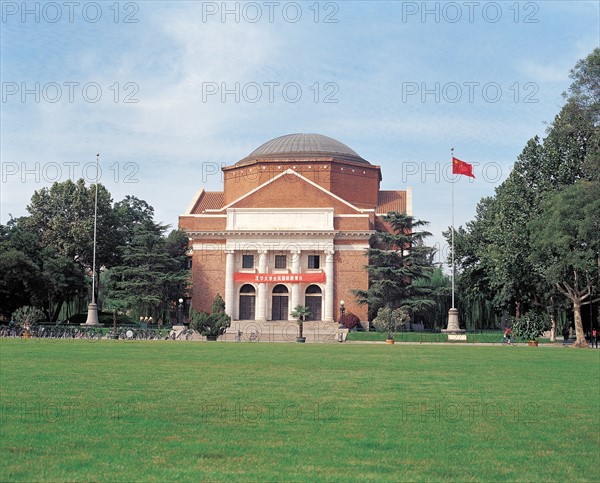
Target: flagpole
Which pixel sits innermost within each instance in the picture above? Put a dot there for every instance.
(451, 161)
(95, 222)
(453, 329)
(92, 315)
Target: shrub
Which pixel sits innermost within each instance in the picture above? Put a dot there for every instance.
(211, 325)
(28, 315)
(390, 321)
(530, 326)
(350, 321)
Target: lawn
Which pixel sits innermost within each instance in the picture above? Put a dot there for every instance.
(399, 337)
(162, 410)
(486, 337)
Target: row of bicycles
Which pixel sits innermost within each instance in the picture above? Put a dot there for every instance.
(42, 332)
(138, 334)
(70, 332)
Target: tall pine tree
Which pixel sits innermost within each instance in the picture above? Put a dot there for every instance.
(152, 273)
(397, 259)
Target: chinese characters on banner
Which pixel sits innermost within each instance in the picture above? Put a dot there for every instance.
(274, 278)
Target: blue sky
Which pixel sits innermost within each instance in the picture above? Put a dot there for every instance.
(167, 92)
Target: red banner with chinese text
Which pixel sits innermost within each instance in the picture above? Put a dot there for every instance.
(279, 277)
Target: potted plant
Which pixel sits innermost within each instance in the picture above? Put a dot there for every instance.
(301, 313)
(390, 321)
(530, 326)
(27, 317)
(211, 325)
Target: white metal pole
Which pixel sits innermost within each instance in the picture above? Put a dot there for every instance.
(95, 221)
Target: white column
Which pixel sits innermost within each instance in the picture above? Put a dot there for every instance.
(328, 284)
(229, 286)
(261, 295)
(296, 295)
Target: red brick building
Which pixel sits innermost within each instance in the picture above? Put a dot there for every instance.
(290, 227)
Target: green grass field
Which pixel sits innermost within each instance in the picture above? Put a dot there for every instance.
(484, 337)
(399, 337)
(154, 411)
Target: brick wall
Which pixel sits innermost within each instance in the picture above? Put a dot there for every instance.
(208, 269)
(204, 223)
(350, 274)
(289, 191)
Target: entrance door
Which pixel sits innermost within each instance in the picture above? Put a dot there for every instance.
(247, 302)
(313, 302)
(279, 305)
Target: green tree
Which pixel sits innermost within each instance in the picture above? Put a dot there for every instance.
(397, 259)
(33, 274)
(131, 212)
(567, 245)
(218, 305)
(45, 256)
(211, 325)
(492, 252)
(20, 283)
(152, 272)
(62, 216)
(581, 113)
(441, 286)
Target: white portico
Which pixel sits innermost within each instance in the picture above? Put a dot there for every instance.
(277, 259)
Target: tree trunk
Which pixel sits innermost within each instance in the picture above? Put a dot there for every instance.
(518, 309)
(579, 333)
(57, 310)
(553, 327)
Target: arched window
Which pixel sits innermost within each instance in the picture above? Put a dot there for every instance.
(280, 289)
(314, 301)
(279, 303)
(247, 302)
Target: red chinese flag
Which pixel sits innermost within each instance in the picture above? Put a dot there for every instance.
(460, 167)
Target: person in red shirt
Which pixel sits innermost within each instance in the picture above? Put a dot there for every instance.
(507, 333)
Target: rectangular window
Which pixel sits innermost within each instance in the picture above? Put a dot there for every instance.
(314, 261)
(281, 261)
(247, 261)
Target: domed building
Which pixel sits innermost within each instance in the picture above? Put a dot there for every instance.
(290, 227)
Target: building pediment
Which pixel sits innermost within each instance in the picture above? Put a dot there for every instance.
(294, 191)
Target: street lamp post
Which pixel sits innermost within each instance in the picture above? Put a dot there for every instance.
(180, 312)
(342, 312)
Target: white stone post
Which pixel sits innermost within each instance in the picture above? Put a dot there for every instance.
(328, 284)
(229, 286)
(261, 295)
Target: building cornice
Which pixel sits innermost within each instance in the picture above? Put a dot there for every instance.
(247, 233)
(281, 234)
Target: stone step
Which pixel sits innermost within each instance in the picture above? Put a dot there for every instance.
(281, 331)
